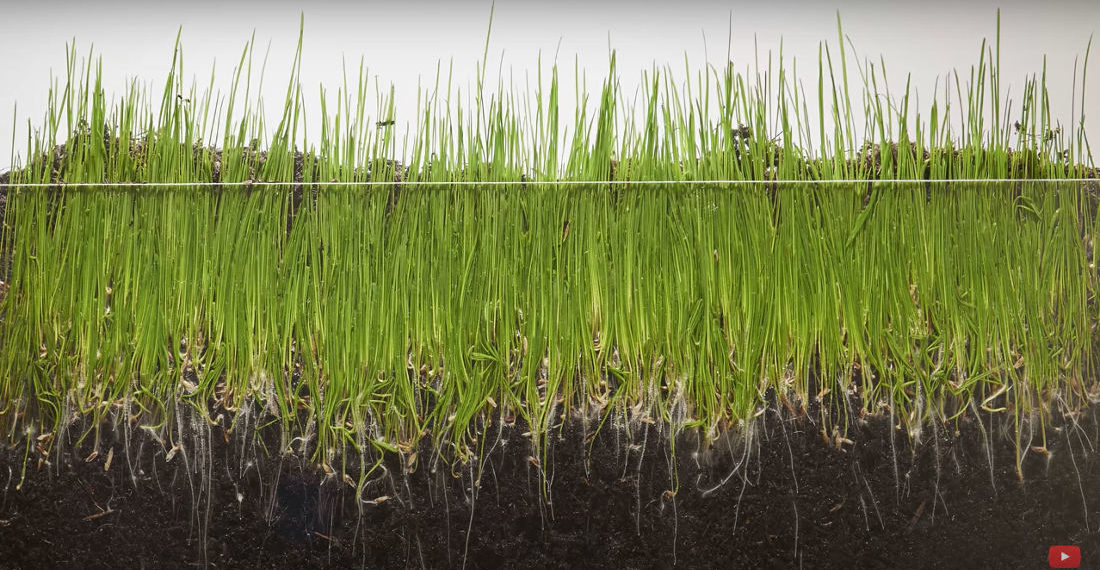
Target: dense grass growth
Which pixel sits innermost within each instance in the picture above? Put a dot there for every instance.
(372, 316)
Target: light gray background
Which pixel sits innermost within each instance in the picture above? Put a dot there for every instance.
(403, 41)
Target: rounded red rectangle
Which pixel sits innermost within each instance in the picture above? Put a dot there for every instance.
(1064, 557)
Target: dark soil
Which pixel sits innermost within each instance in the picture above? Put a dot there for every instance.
(789, 500)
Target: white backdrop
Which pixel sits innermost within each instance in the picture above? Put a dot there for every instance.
(402, 42)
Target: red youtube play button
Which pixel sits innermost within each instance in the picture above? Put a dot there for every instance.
(1064, 557)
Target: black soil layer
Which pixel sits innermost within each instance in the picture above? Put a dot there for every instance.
(787, 500)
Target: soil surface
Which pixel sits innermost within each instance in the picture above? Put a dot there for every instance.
(788, 499)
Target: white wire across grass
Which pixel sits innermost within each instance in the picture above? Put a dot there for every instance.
(493, 183)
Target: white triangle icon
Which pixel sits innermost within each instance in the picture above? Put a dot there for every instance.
(1064, 555)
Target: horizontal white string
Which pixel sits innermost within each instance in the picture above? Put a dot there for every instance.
(531, 182)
